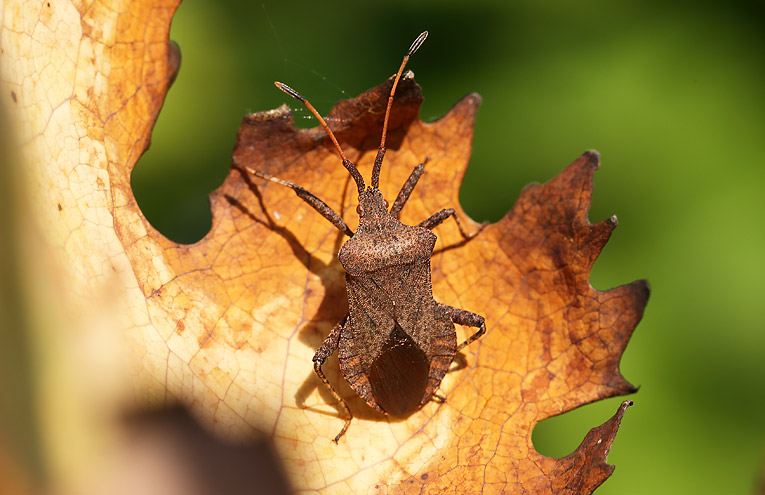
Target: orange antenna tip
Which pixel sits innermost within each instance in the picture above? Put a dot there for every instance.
(417, 43)
(289, 91)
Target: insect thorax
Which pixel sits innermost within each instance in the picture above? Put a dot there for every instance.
(386, 243)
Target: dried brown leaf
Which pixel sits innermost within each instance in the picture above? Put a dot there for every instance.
(229, 325)
(553, 342)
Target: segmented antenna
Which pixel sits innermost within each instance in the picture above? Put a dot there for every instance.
(381, 150)
(346, 162)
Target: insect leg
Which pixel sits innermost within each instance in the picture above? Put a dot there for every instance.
(462, 317)
(328, 347)
(406, 189)
(438, 217)
(306, 196)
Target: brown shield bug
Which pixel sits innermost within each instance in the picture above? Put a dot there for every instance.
(397, 343)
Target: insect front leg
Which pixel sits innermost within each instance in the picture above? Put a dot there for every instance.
(462, 317)
(307, 196)
(407, 188)
(438, 218)
(327, 348)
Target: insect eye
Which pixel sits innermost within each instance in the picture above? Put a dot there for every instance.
(359, 209)
(385, 202)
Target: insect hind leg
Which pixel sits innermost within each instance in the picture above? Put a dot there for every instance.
(327, 348)
(462, 317)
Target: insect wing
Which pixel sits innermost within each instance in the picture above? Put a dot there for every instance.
(399, 374)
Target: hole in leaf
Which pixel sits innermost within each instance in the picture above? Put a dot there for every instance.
(560, 435)
(188, 157)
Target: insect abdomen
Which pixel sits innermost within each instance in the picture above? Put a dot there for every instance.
(399, 374)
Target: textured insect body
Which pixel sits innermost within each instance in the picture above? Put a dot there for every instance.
(395, 330)
(397, 343)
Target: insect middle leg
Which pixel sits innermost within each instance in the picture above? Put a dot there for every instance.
(438, 218)
(327, 348)
(462, 317)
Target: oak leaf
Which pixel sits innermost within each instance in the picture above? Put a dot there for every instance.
(229, 325)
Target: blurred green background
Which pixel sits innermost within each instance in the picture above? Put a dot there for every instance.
(670, 93)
